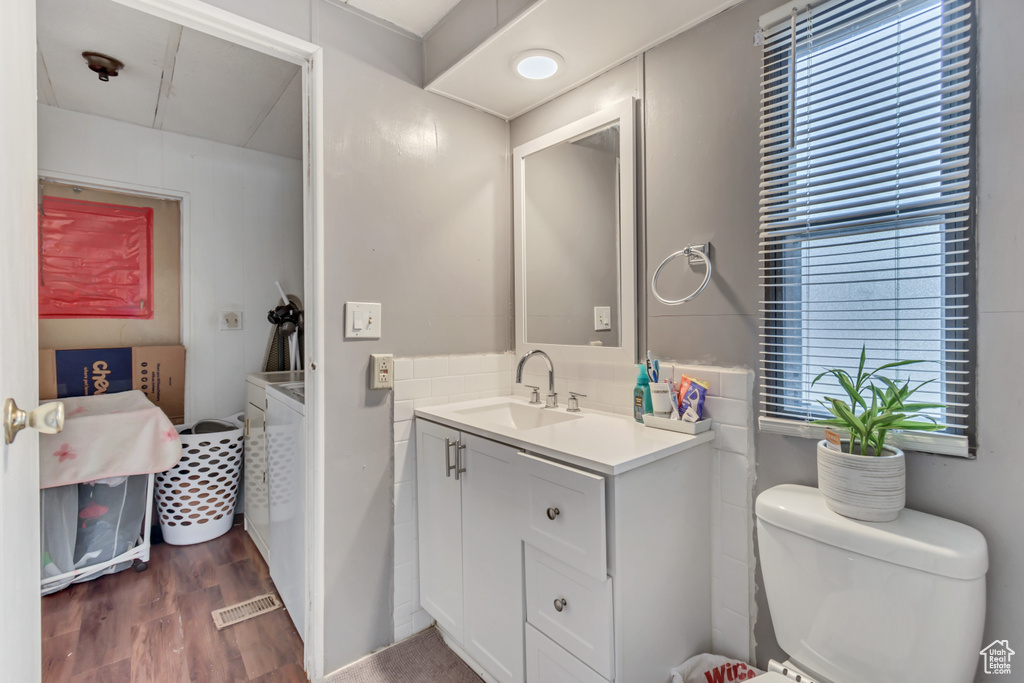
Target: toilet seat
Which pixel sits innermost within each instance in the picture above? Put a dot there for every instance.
(783, 673)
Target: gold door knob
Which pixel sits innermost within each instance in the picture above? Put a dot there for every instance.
(47, 418)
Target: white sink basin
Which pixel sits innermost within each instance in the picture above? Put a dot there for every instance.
(517, 415)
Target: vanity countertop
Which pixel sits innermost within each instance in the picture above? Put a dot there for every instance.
(601, 442)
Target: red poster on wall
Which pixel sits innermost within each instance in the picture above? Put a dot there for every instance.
(95, 260)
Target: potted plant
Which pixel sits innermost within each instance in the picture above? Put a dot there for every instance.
(864, 478)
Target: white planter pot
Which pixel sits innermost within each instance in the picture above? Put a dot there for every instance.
(868, 488)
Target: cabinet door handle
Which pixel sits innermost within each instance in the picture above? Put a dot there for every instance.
(553, 512)
(247, 426)
(448, 466)
(560, 604)
(459, 469)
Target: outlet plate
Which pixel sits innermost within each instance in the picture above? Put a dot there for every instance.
(602, 318)
(230, 320)
(382, 371)
(362, 320)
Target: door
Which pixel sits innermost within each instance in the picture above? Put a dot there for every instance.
(440, 525)
(19, 368)
(257, 511)
(492, 558)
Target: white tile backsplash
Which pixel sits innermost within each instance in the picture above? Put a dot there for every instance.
(430, 367)
(403, 411)
(411, 389)
(725, 410)
(731, 438)
(447, 386)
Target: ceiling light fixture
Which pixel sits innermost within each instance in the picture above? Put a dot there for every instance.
(537, 64)
(103, 65)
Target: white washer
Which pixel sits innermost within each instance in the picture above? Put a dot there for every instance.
(286, 481)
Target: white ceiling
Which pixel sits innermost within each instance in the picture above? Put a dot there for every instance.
(592, 36)
(415, 16)
(175, 79)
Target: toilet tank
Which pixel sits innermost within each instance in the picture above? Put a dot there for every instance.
(863, 602)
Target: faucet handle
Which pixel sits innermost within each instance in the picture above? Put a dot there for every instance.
(574, 402)
(534, 395)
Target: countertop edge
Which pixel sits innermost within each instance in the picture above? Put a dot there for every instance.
(691, 441)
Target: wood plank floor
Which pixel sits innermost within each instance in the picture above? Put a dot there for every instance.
(155, 626)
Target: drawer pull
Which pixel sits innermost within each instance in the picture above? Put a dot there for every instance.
(560, 604)
(553, 512)
(448, 466)
(459, 469)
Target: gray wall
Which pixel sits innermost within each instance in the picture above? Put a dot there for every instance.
(571, 244)
(701, 163)
(417, 217)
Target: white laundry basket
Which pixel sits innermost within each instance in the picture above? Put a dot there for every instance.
(196, 498)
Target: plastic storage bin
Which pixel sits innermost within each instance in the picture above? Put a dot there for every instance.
(196, 498)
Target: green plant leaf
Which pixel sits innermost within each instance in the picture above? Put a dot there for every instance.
(888, 410)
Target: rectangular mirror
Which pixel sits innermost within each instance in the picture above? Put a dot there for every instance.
(574, 217)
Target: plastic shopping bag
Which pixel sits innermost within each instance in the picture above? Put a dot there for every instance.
(709, 668)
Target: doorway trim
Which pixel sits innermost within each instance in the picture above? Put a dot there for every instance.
(309, 57)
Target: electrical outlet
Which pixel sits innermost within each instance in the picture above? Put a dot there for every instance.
(602, 318)
(230, 320)
(382, 371)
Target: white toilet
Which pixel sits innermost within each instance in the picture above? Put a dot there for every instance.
(862, 602)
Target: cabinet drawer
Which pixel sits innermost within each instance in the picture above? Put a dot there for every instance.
(571, 608)
(562, 513)
(546, 662)
(256, 395)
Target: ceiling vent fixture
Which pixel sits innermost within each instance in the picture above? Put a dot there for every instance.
(537, 64)
(103, 65)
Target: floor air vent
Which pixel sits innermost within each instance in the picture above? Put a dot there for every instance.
(229, 616)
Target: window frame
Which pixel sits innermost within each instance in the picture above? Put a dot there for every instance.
(778, 286)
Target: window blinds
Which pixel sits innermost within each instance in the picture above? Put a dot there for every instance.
(866, 205)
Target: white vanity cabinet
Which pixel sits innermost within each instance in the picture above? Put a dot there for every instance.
(611, 553)
(470, 553)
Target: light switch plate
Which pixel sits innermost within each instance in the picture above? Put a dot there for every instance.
(602, 318)
(362, 320)
(382, 371)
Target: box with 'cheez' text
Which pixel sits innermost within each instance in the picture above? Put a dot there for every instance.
(157, 371)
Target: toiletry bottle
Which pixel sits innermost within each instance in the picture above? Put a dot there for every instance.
(642, 395)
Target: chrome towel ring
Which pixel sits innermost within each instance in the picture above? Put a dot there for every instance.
(693, 251)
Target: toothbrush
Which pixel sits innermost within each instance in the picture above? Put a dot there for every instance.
(652, 368)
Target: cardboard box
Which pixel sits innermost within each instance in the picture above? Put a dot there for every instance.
(158, 371)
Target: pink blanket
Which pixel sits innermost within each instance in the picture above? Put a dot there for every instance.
(109, 435)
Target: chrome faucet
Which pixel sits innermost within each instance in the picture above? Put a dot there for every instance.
(552, 401)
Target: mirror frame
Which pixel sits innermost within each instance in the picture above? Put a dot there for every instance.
(623, 113)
